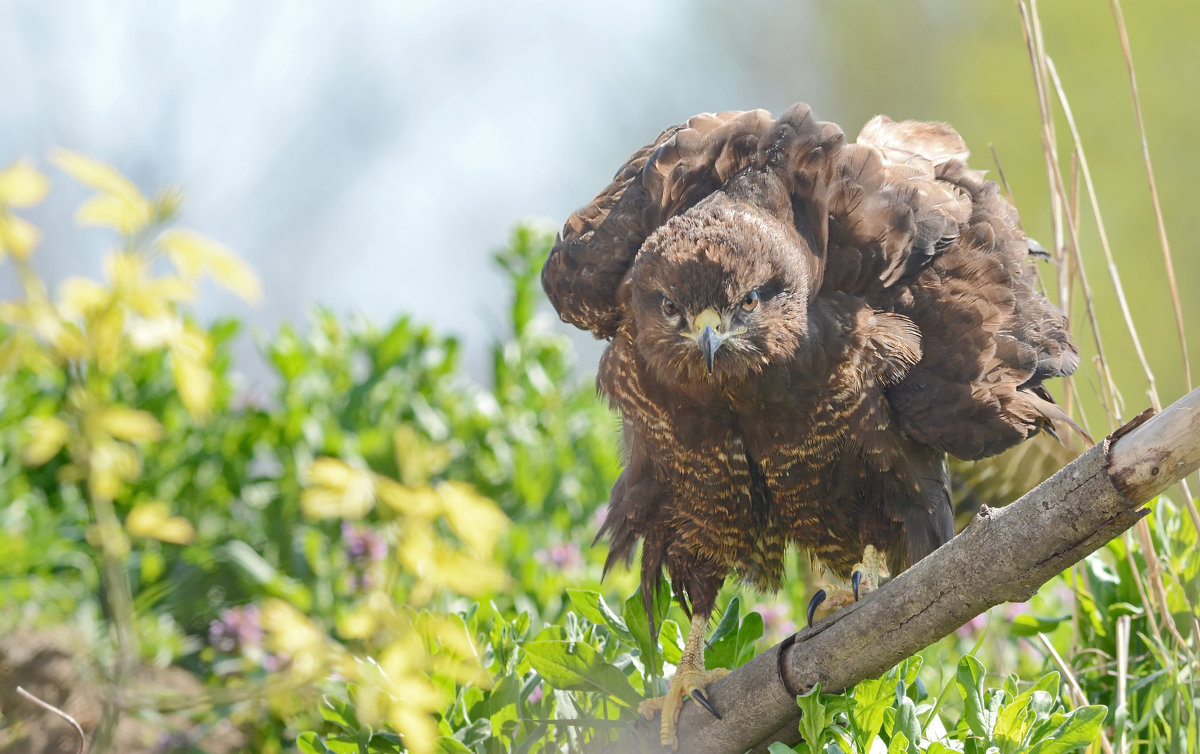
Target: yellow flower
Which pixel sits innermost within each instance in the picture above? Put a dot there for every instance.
(21, 185)
(153, 520)
(338, 490)
(194, 255)
(47, 436)
(118, 205)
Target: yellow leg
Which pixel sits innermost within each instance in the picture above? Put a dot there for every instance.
(873, 568)
(690, 677)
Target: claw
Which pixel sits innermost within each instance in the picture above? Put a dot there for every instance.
(813, 604)
(855, 580)
(699, 697)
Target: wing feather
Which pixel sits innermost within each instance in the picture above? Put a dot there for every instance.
(900, 220)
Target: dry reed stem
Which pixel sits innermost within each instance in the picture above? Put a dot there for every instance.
(1151, 556)
(1113, 273)
(1141, 589)
(1031, 28)
(1077, 695)
(1119, 19)
(1122, 639)
(51, 708)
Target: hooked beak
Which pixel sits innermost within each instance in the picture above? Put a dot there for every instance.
(708, 335)
(709, 342)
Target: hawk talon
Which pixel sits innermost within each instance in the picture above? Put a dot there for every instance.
(855, 580)
(699, 697)
(813, 604)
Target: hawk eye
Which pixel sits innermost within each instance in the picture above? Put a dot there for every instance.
(669, 307)
(750, 302)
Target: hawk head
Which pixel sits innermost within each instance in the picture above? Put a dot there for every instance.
(720, 293)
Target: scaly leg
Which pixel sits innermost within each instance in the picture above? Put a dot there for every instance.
(690, 679)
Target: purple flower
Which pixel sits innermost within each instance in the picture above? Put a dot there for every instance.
(776, 619)
(238, 628)
(565, 556)
(275, 662)
(536, 695)
(363, 547)
(170, 743)
(968, 629)
(1013, 609)
(599, 517)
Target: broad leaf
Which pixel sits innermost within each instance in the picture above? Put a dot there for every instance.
(969, 679)
(575, 666)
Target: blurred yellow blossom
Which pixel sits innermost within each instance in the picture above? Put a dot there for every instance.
(194, 255)
(337, 490)
(47, 436)
(400, 687)
(417, 459)
(290, 633)
(191, 355)
(109, 464)
(82, 297)
(118, 205)
(126, 423)
(17, 236)
(154, 520)
(474, 518)
(421, 502)
(21, 185)
(135, 287)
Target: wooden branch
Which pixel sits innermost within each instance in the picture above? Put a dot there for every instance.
(1004, 555)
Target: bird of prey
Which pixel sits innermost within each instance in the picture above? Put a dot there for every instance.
(800, 330)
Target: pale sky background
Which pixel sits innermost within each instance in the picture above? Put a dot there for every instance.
(370, 156)
(365, 156)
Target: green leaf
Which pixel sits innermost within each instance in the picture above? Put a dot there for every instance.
(969, 678)
(778, 747)
(670, 640)
(1013, 725)
(262, 574)
(475, 733)
(906, 725)
(1078, 729)
(872, 700)
(723, 644)
(642, 633)
(1030, 625)
(749, 632)
(575, 666)
(448, 745)
(340, 713)
(592, 606)
(729, 620)
(812, 718)
(341, 745)
(899, 744)
(310, 743)
(503, 694)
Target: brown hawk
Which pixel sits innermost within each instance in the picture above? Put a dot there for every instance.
(800, 331)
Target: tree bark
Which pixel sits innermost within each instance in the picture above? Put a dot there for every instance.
(1004, 555)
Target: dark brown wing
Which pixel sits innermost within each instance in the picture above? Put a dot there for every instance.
(592, 257)
(914, 231)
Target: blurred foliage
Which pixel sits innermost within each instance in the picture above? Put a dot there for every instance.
(271, 543)
(382, 554)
